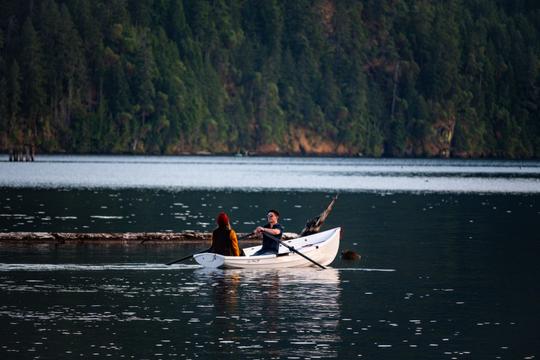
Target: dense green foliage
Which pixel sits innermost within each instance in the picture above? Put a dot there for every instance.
(376, 77)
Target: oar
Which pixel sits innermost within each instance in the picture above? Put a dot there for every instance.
(294, 250)
(186, 257)
(200, 252)
(246, 236)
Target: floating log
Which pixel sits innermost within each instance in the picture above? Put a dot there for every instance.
(126, 238)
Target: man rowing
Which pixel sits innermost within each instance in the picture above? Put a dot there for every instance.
(272, 228)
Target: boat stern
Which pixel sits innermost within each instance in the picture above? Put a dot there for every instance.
(209, 260)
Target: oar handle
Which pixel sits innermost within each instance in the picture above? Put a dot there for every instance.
(294, 250)
(246, 236)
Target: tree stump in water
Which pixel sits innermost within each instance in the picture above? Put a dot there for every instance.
(314, 225)
(26, 152)
(350, 255)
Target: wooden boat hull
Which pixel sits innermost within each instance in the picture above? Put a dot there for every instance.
(321, 247)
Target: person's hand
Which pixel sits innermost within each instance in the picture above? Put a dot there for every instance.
(259, 230)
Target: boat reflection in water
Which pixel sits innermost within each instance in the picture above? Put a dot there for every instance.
(274, 313)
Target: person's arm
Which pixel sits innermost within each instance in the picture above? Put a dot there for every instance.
(234, 242)
(279, 230)
(274, 232)
(211, 249)
(262, 230)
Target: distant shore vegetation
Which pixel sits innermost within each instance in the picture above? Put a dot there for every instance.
(346, 77)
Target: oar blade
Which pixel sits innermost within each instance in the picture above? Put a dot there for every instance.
(182, 259)
(187, 257)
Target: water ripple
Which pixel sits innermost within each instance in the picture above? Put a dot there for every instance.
(94, 267)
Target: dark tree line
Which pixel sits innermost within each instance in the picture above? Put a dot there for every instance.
(375, 77)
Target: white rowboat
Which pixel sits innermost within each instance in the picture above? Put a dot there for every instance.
(321, 247)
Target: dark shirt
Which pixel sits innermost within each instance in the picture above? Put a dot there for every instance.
(269, 244)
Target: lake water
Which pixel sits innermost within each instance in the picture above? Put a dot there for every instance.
(449, 266)
(270, 173)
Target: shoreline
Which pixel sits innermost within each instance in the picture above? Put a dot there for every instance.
(203, 154)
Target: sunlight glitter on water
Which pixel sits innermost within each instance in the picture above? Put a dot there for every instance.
(296, 313)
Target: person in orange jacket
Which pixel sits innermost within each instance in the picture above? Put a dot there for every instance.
(224, 240)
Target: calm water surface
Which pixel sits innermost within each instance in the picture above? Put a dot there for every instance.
(273, 173)
(443, 275)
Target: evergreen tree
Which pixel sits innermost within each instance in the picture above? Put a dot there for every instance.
(3, 96)
(49, 28)
(14, 97)
(145, 73)
(33, 78)
(72, 63)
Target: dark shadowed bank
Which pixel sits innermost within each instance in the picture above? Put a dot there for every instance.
(374, 78)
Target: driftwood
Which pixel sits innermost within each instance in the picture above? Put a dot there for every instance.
(128, 238)
(119, 238)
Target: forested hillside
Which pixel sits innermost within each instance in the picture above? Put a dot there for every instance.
(375, 78)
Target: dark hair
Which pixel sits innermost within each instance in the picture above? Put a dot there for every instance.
(274, 211)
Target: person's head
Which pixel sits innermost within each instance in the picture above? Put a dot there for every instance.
(273, 216)
(222, 219)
